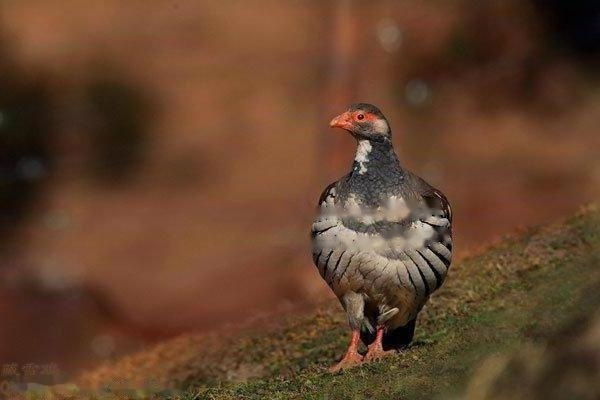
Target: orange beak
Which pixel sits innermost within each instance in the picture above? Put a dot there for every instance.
(343, 121)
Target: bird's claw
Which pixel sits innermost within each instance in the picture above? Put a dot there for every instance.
(350, 360)
(376, 353)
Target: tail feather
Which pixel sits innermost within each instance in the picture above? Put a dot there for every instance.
(399, 337)
(394, 339)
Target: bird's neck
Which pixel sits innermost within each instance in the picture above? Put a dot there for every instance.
(374, 157)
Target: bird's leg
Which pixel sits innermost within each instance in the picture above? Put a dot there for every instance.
(375, 350)
(352, 357)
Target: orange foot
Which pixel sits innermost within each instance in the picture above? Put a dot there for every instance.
(375, 351)
(376, 354)
(351, 359)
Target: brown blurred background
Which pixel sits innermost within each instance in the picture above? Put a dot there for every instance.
(160, 160)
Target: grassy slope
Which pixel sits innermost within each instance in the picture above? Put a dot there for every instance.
(517, 292)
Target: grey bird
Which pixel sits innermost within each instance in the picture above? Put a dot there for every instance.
(382, 239)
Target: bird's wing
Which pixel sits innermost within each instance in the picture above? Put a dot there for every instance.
(434, 198)
(326, 206)
(328, 193)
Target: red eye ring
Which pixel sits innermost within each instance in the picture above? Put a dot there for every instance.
(360, 116)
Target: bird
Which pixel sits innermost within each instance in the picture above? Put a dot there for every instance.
(381, 240)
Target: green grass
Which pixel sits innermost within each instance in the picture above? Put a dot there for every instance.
(516, 294)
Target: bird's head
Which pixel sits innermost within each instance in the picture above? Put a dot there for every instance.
(363, 121)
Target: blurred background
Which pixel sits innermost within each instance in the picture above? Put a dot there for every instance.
(160, 160)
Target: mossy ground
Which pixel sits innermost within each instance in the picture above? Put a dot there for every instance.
(517, 293)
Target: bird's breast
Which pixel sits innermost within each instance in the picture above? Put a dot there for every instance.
(389, 253)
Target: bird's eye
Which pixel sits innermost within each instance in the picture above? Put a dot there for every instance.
(360, 116)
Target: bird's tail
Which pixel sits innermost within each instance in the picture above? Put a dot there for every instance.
(393, 339)
(399, 337)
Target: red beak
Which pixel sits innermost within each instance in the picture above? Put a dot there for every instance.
(343, 121)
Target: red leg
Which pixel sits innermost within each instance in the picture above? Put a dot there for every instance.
(352, 357)
(375, 350)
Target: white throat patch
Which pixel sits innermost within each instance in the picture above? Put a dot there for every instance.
(362, 155)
